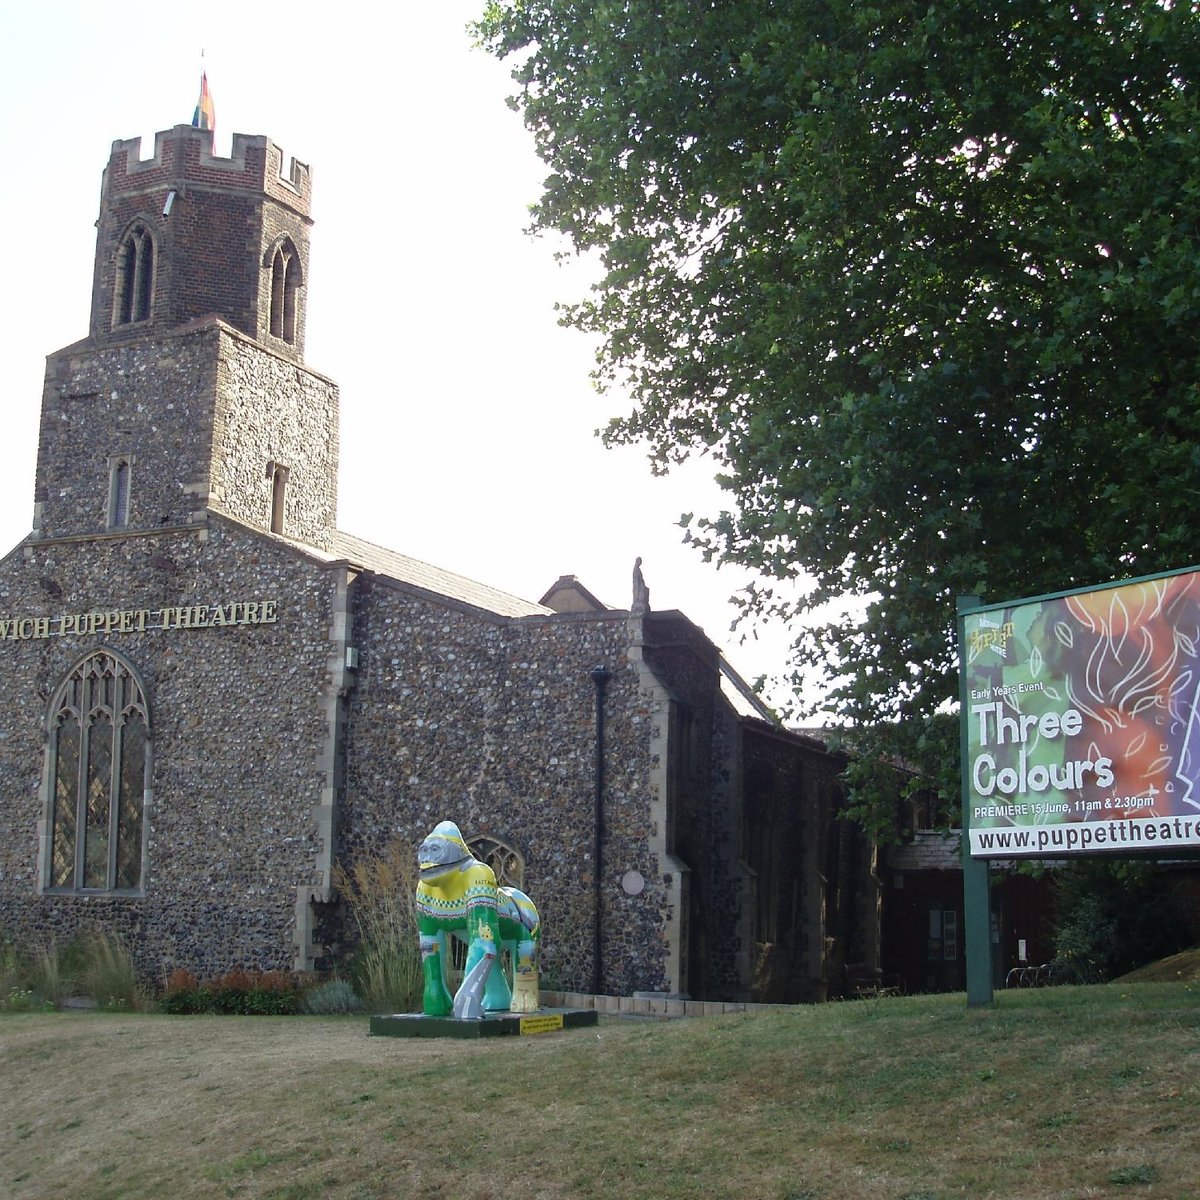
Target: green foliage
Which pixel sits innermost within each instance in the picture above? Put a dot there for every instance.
(1083, 942)
(15, 993)
(51, 971)
(238, 992)
(379, 892)
(1112, 917)
(9, 963)
(93, 964)
(334, 998)
(254, 993)
(920, 279)
(35, 978)
(1142, 1173)
(106, 973)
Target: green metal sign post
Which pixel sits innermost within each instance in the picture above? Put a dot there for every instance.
(977, 921)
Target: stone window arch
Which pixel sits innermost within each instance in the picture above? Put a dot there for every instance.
(133, 291)
(278, 474)
(286, 280)
(119, 470)
(97, 778)
(508, 865)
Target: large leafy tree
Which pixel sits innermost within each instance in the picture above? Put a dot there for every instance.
(922, 278)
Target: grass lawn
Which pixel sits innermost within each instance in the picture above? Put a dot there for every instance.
(1061, 1092)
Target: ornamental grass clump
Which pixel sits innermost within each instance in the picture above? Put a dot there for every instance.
(38, 978)
(49, 972)
(95, 965)
(106, 973)
(379, 893)
(17, 993)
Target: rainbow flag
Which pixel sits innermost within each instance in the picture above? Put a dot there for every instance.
(205, 116)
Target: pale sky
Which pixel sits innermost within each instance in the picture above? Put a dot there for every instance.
(467, 412)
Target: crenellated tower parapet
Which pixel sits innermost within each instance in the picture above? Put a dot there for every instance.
(187, 234)
(190, 394)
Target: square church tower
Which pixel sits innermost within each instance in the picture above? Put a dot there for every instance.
(190, 392)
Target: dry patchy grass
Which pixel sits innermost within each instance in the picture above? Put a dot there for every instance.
(1183, 967)
(1064, 1093)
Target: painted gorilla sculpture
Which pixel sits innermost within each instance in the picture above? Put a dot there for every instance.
(457, 895)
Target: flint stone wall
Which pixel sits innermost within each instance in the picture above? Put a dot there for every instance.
(239, 718)
(200, 412)
(492, 723)
(705, 797)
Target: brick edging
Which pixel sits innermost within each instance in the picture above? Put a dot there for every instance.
(652, 1006)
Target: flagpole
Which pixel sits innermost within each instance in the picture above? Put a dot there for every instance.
(205, 114)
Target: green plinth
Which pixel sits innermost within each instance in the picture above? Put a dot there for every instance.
(506, 1024)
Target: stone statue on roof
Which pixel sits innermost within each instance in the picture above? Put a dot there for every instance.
(641, 593)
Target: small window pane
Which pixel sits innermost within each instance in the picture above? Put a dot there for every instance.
(99, 786)
(66, 791)
(507, 865)
(119, 516)
(129, 810)
(145, 277)
(950, 935)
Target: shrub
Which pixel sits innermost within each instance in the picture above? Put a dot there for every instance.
(254, 993)
(1083, 942)
(379, 893)
(18, 999)
(1112, 917)
(334, 998)
(179, 981)
(182, 994)
(239, 992)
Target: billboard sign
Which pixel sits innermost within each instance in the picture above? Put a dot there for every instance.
(1081, 730)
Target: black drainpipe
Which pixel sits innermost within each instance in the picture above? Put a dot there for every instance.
(600, 677)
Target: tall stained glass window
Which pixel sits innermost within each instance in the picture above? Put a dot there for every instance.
(99, 754)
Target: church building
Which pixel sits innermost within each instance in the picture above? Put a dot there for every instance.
(213, 696)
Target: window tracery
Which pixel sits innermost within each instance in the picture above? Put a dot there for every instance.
(507, 864)
(134, 285)
(98, 755)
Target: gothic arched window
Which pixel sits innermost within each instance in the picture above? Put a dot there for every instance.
(285, 287)
(507, 864)
(134, 288)
(98, 767)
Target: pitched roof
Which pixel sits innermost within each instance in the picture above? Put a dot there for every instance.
(742, 697)
(930, 850)
(432, 579)
(569, 595)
